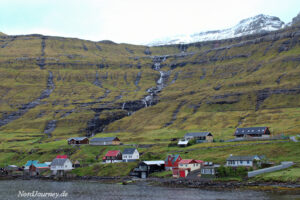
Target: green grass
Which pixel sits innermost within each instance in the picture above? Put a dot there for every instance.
(226, 98)
(163, 174)
(287, 175)
(115, 169)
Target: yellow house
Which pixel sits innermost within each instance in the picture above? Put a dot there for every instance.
(199, 137)
(187, 165)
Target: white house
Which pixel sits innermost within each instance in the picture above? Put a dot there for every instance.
(243, 161)
(60, 165)
(130, 154)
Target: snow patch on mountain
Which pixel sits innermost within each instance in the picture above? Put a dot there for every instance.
(253, 25)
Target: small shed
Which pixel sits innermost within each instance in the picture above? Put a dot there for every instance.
(38, 168)
(76, 164)
(105, 141)
(78, 140)
(200, 137)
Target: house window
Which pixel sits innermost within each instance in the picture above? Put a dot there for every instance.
(66, 166)
(125, 156)
(248, 162)
(241, 162)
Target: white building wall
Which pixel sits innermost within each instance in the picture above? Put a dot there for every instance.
(193, 166)
(134, 156)
(66, 166)
(238, 163)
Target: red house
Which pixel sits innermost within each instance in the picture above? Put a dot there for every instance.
(186, 166)
(112, 156)
(172, 161)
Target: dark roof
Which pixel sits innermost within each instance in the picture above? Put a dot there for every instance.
(129, 151)
(77, 138)
(59, 161)
(198, 134)
(250, 130)
(104, 139)
(245, 158)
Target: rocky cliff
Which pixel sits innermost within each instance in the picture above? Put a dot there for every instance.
(53, 87)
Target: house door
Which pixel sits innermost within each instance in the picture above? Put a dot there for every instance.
(182, 173)
(143, 175)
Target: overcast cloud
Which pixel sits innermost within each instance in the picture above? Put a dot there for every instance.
(133, 21)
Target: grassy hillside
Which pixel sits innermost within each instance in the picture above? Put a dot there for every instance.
(81, 87)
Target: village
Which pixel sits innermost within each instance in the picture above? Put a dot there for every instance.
(234, 165)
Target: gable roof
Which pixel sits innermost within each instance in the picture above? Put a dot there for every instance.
(31, 162)
(199, 161)
(129, 150)
(77, 138)
(251, 130)
(242, 158)
(187, 161)
(112, 153)
(59, 161)
(104, 139)
(198, 134)
(173, 158)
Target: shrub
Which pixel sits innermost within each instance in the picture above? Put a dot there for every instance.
(192, 142)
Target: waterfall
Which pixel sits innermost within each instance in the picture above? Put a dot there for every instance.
(160, 83)
(123, 106)
(145, 102)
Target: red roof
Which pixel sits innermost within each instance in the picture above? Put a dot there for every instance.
(112, 153)
(187, 161)
(199, 161)
(62, 156)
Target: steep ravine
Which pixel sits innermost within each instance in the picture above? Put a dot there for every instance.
(97, 125)
(26, 107)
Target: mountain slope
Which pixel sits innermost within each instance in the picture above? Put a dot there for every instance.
(253, 25)
(53, 88)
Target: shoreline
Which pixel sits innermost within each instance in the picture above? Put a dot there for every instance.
(175, 182)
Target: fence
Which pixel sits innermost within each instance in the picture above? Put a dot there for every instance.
(283, 165)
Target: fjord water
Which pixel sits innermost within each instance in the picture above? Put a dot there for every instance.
(95, 190)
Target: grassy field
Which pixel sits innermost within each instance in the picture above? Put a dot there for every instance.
(220, 86)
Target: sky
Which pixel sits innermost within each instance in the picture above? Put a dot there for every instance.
(133, 21)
